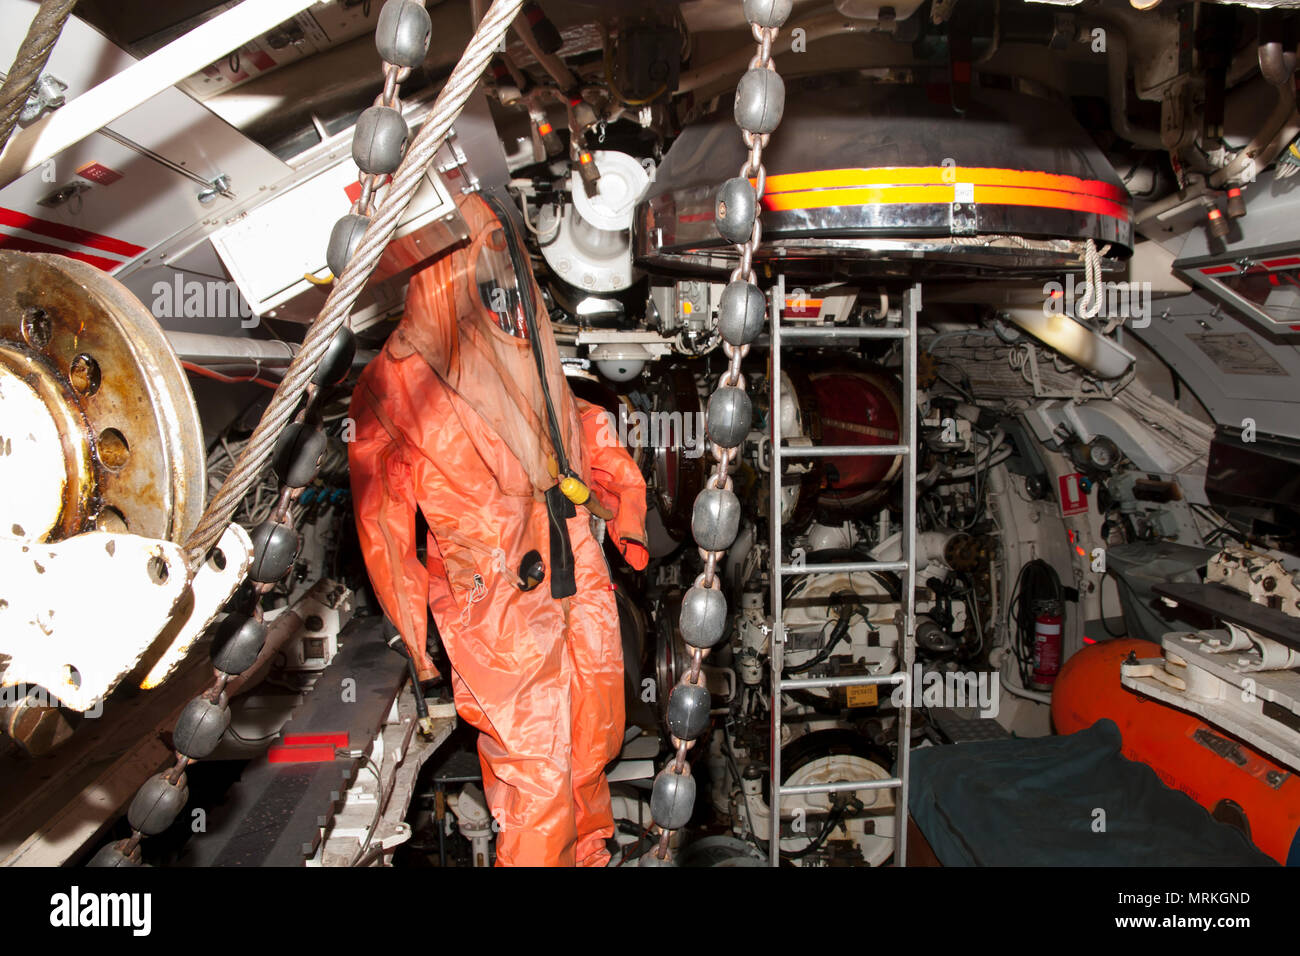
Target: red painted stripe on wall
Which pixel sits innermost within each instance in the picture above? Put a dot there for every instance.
(31, 245)
(66, 233)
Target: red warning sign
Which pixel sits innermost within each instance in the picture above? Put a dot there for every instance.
(99, 173)
(1073, 500)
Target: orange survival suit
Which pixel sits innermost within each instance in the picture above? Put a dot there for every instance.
(451, 419)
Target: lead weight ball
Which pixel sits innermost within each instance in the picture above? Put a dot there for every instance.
(275, 547)
(113, 855)
(704, 617)
(768, 13)
(760, 101)
(651, 858)
(379, 140)
(715, 519)
(688, 711)
(402, 33)
(297, 454)
(236, 643)
(336, 363)
(735, 210)
(157, 804)
(200, 728)
(672, 799)
(729, 416)
(742, 312)
(344, 239)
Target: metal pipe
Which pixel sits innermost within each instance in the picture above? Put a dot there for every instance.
(806, 789)
(1173, 204)
(1281, 127)
(816, 28)
(550, 63)
(844, 567)
(1117, 92)
(907, 633)
(1076, 341)
(1015, 689)
(203, 349)
(842, 332)
(794, 452)
(855, 680)
(124, 91)
(1276, 63)
(775, 555)
(149, 154)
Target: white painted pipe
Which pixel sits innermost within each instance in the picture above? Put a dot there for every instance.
(1013, 686)
(123, 92)
(1077, 342)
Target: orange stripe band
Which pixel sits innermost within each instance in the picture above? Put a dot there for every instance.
(943, 195)
(941, 175)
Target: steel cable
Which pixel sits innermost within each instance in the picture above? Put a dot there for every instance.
(30, 60)
(444, 112)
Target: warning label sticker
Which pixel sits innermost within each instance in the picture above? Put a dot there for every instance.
(1073, 500)
(863, 696)
(1236, 353)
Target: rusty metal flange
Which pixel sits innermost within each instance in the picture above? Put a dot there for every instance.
(82, 359)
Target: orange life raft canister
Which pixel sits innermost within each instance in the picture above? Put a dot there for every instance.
(1236, 783)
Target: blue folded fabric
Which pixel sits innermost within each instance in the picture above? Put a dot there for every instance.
(1071, 800)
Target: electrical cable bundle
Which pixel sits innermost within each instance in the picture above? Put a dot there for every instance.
(1036, 585)
(840, 631)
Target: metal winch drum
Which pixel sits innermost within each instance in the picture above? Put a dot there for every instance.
(101, 479)
(99, 427)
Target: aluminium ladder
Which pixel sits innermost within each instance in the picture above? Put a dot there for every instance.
(906, 331)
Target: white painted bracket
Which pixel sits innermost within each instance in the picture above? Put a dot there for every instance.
(77, 615)
(1247, 705)
(212, 587)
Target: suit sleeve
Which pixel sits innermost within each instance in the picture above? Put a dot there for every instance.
(617, 483)
(384, 504)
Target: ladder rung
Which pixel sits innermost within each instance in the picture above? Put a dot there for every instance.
(856, 680)
(822, 451)
(892, 783)
(840, 332)
(851, 567)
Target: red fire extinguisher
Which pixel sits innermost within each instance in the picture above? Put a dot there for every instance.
(1048, 622)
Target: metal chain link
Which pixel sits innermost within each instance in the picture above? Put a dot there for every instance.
(765, 18)
(372, 182)
(161, 798)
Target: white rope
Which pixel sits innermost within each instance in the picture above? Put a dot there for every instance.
(476, 594)
(1090, 304)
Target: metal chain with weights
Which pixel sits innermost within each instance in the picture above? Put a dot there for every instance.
(355, 245)
(715, 517)
(295, 449)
